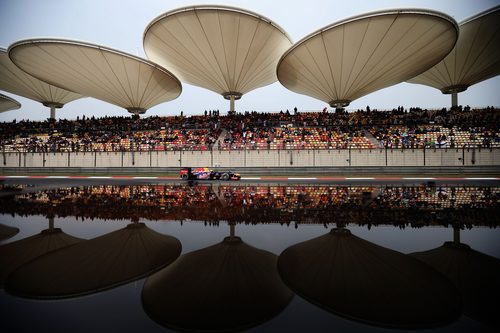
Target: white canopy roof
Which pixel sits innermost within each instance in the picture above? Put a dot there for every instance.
(97, 71)
(362, 54)
(15, 81)
(475, 58)
(8, 104)
(228, 50)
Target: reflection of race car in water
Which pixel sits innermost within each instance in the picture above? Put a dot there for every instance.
(206, 173)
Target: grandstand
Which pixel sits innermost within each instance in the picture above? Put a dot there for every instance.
(394, 129)
(203, 45)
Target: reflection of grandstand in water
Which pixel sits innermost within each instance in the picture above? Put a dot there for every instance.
(475, 274)
(110, 75)
(15, 254)
(98, 264)
(228, 286)
(365, 282)
(14, 80)
(415, 206)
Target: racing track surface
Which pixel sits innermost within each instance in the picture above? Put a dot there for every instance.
(56, 181)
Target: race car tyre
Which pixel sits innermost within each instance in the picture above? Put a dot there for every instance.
(225, 176)
(184, 176)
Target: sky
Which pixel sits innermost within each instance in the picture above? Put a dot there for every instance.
(120, 24)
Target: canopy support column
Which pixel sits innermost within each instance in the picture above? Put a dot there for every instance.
(136, 112)
(52, 112)
(53, 106)
(231, 96)
(231, 103)
(454, 99)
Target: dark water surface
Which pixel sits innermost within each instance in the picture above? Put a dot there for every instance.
(259, 258)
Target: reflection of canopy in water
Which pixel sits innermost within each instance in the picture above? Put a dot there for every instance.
(354, 57)
(15, 81)
(7, 232)
(475, 58)
(227, 286)
(228, 50)
(8, 104)
(17, 253)
(475, 274)
(365, 282)
(97, 71)
(97, 264)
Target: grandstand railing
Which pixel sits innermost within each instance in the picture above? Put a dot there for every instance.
(290, 158)
(236, 147)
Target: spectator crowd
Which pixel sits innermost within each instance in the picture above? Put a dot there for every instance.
(397, 128)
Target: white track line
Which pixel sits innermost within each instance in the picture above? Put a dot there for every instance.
(302, 178)
(99, 177)
(419, 178)
(483, 178)
(250, 178)
(57, 177)
(359, 178)
(17, 176)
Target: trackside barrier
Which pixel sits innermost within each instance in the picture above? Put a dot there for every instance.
(291, 159)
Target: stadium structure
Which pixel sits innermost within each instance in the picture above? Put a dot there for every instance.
(354, 57)
(475, 58)
(228, 50)
(232, 51)
(8, 104)
(285, 177)
(16, 81)
(110, 75)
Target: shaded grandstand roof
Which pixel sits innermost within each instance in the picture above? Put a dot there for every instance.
(475, 58)
(228, 50)
(97, 71)
(226, 287)
(15, 81)
(471, 272)
(7, 232)
(15, 254)
(356, 56)
(360, 280)
(7, 103)
(97, 264)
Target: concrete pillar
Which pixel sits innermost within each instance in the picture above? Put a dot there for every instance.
(231, 103)
(454, 99)
(52, 112)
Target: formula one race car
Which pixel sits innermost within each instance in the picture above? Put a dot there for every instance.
(206, 173)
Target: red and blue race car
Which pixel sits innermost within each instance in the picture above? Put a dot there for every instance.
(208, 174)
